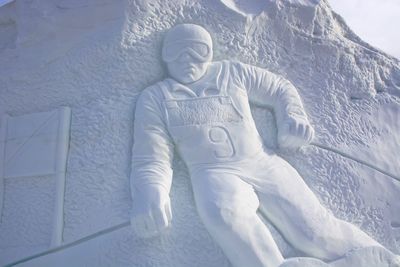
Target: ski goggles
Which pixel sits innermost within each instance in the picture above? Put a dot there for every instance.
(196, 49)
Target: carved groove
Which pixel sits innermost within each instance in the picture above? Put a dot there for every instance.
(72, 244)
(363, 162)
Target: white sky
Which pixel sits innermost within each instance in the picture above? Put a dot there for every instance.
(375, 21)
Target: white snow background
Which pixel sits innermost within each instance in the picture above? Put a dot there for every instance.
(96, 56)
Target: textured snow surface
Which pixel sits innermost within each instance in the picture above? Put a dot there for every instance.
(252, 8)
(97, 55)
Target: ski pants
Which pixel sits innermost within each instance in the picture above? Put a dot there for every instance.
(228, 196)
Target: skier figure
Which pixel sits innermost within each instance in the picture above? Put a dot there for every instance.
(203, 111)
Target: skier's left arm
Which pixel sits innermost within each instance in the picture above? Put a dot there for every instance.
(267, 89)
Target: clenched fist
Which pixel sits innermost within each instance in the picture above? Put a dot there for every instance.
(295, 132)
(151, 211)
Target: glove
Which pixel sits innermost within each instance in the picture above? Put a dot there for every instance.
(295, 132)
(151, 210)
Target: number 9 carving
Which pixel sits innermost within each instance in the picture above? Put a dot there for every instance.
(220, 137)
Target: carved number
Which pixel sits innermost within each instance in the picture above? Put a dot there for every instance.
(223, 142)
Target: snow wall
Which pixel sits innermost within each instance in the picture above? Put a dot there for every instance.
(96, 56)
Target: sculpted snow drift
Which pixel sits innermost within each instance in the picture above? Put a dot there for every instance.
(97, 57)
(203, 111)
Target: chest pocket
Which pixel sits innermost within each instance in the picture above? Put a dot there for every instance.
(198, 111)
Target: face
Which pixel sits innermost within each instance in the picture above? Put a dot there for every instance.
(187, 69)
(187, 61)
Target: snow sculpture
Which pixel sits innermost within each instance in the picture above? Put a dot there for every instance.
(203, 111)
(33, 145)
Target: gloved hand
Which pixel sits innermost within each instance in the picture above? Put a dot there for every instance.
(294, 132)
(151, 211)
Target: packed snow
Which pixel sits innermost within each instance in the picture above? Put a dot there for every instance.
(97, 56)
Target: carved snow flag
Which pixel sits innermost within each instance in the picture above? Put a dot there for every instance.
(33, 157)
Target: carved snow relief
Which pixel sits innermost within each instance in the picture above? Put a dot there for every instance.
(33, 155)
(233, 175)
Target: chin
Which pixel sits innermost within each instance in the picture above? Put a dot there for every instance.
(187, 79)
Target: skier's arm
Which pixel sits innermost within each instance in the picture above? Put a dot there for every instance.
(151, 174)
(267, 89)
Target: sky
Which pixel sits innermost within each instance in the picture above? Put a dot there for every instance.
(375, 21)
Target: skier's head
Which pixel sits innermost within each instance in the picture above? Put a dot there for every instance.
(187, 51)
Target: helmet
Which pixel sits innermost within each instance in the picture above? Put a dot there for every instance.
(190, 38)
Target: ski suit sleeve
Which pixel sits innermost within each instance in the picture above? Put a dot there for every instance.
(270, 90)
(152, 151)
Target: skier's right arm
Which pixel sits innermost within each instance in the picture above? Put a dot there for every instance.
(151, 173)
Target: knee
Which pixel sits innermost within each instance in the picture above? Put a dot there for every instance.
(315, 244)
(321, 240)
(221, 217)
(324, 246)
(331, 239)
